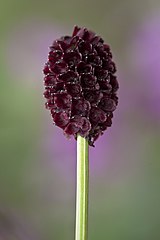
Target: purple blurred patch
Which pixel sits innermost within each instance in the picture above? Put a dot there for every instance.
(60, 153)
(145, 60)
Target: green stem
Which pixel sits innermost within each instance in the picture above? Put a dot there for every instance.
(82, 189)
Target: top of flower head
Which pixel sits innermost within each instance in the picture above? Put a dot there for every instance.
(80, 85)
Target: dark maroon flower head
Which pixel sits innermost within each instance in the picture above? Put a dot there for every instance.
(80, 84)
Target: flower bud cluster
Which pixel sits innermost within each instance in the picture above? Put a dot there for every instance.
(80, 84)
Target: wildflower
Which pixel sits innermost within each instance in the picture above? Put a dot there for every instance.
(80, 85)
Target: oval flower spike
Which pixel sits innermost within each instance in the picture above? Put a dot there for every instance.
(80, 84)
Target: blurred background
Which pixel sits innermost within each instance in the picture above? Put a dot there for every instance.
(37, 163)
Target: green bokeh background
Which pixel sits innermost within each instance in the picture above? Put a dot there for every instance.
(125, 193)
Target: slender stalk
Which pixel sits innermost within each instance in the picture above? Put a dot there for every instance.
(82, 189)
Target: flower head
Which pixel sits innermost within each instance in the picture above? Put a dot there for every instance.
(80, 85)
